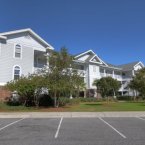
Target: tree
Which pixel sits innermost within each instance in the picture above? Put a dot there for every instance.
(138, 82)
(107, 86)
(60, 75)
(28, 88)
(59, 78)
(76, 83)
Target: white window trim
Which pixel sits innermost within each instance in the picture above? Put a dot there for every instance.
(14, 69)
(15, 49)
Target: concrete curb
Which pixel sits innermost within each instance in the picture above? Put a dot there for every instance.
(70, 114)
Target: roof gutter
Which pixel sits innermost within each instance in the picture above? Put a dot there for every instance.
(3, 37)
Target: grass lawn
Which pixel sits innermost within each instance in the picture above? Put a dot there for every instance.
(82, 107)
(108, 106)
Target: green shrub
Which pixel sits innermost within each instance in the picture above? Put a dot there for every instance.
(63, 101)
(124, 98)
(75, 101)
(88, 99)
(13, 100)
(45, 100)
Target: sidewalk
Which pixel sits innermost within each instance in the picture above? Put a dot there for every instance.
(70, 114)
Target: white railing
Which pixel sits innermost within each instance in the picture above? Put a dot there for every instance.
(39, 65)
(103, 74)
(109, 75)
(117, 76)
(106, 75)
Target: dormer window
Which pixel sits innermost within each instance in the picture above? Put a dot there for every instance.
(18, 51)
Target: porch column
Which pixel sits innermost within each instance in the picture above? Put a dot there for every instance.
(47, 55)
(113, 74)
(133, 72)
(104, 73)
(122, 93)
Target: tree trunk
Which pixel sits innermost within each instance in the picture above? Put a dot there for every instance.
(114, 94)
(84, 93)
(78, 92)
(70, 96)
(134, 95)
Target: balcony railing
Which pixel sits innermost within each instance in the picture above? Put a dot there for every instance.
(81, 72)
(111, 75)
(39, 65)
(117, 76)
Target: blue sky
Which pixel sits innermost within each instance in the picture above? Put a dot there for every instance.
(114, 29)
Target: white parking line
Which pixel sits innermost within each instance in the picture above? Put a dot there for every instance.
(58, 128)
(11, 124)
(141, 118)
(122, 135)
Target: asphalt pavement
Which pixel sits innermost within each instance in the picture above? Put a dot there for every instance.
(73, 131)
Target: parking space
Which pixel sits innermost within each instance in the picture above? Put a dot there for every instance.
(72, 131)
(29, 131)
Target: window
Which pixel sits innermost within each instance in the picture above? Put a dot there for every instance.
(81, 67)
(18, 50)
(16, 72)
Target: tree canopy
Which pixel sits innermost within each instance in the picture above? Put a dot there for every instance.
(138, 82)
(107, 86)
(59, 77)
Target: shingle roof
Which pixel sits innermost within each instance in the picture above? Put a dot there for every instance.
(114, 66)
(128, 66)
(111, 65)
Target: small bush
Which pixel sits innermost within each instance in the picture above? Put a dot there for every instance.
(125, 98)
(88, 99)
(75, 101)
(13, 101)
(63, 101)
(45, 100)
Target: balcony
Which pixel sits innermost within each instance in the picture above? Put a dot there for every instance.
(82, 73)
(103, 75)
(109, 75)
(117, 76)
(40, 60)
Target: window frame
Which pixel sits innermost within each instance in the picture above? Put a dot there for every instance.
(13, 77)
(15, 51)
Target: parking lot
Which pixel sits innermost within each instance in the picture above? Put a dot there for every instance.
(73, 131)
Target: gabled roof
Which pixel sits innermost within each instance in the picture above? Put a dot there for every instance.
(112, 65)
(91, 57)
(5, 34)
(82, 53)
(128, 66)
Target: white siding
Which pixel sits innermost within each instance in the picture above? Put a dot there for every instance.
(137, 67)
(93, 74)
(7, 61)
(83, 58)
(26, 39)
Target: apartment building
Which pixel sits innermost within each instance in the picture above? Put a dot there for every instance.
(23, 52)
(93, 67)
